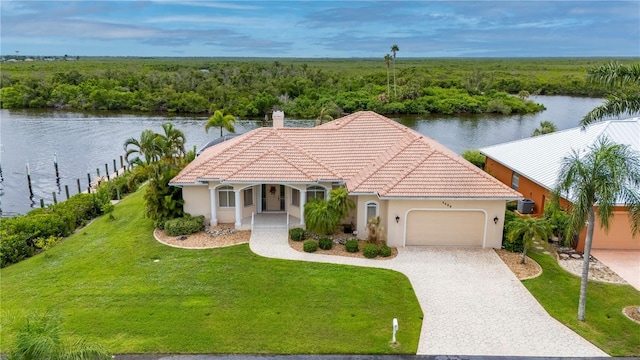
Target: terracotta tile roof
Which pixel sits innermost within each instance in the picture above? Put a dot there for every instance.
(370, 153)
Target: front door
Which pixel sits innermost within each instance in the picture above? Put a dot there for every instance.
(272, 197)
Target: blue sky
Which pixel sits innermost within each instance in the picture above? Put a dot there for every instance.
(317, 29)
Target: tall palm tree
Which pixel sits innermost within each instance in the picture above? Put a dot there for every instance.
(218, 119)
(529, 229)
(606, 175)
(147, 146)
(387, 60)
(394, 50)
(546, 127)
(625, 100)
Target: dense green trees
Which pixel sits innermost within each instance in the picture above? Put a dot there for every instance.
(546, 127)
(253, 88)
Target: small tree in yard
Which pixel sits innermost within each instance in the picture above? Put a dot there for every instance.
(340, 203)
(319, 217)
(322, 217)
(375, 230)
(529, 229)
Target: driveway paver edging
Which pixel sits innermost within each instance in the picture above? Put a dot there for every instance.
(472, 303)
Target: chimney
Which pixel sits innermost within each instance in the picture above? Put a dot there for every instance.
(278, 119)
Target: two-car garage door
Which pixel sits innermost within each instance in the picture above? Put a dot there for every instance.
(445, 228)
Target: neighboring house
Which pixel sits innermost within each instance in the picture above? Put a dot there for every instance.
(531, 167)
(424, 193)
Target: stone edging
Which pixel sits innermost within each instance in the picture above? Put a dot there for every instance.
(629, 317)
(193, 247)
(536, 275)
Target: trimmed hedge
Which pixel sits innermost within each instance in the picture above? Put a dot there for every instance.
(184, 226)
(296, 234)
(22, 235)
(385, 251)
(351, 246)
(14, 248)
(325, 243)
(370, 251)
(310, 246)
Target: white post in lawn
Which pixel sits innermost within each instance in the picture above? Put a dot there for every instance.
(395, 328)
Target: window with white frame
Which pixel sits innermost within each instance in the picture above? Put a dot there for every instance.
(248, 197)
(515, 180)
(315, 192)
(295, 197)
(226, 196)
(371, 210)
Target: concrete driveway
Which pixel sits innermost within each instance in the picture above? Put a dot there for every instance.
(472, 302)
(625, 263)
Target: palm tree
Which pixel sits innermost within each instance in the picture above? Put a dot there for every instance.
(218, 119)
(605, 175)
(148, 147)
(172, 142)
(324, 115)
(319, 217)
(621, 76)
(529, 229)
(387, 60)
(41, 338)
(394, 50)
(546, 127)
(340, 203)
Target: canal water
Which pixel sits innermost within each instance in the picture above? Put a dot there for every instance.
(84, 142)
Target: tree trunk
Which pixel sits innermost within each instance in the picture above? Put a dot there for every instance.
(388, 89)
(524, 255)
(582, 303)
(395, 90)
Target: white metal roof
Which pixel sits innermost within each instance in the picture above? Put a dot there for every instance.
(539, 158)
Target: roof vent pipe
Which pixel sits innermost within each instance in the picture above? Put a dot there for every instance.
(278, 119)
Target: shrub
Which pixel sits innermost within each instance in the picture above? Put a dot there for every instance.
(370, 251)
(475, 157)
(513, 246)
(184, 225)
(310, 246)
(46, 243)
(82, 206)
(14, 248)
(325, 243)
(296, 234)
(385, 251)
(351, 245)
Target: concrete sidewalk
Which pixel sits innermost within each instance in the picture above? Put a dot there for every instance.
(472, 302)
(625, 263)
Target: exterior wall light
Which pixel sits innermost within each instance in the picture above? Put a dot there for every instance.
(495, 220)
(397, 219)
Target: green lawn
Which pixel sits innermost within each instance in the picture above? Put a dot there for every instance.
(605, 325)
(114, 284)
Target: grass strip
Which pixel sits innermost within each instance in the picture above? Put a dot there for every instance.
(605, 326)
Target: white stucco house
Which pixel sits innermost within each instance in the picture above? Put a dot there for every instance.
(424, 193)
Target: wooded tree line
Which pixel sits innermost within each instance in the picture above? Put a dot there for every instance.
(302, 88)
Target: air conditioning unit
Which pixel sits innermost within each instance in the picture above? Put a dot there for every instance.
(525, 206)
